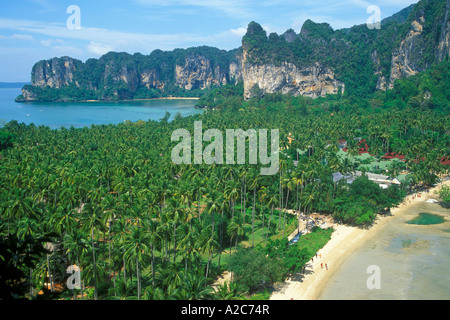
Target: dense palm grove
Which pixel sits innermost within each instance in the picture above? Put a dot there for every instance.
(109, 199)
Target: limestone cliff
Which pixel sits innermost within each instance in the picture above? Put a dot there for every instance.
(427, 41)
(443, 47)
(404, 62)
(150, 78)
(381, 82)
(54, 73)
(122, 76)
(236, 69)
(313, 63)
(197, 73)
(313, 81)
(28, 96)
(266, 70)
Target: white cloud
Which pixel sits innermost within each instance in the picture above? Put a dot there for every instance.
(239, 31)
(45, 6)
(25, 37)
(359, 3)
(232, 8)
(67, 51)
(50, 42)
(274, 16)
(100, 40)
(99, 49)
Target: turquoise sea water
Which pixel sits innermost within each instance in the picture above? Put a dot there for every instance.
(81, 114)
(426, 219)
(413, 261)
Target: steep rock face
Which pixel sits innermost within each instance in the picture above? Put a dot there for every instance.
(28, 96)
(313, 81)
(427, 41)
(55, 73)
(381, 82)
(197, 73)
(443, 48)
(236, 70)
(151, 79)
(121, 74)
(404, 58)
(268, 70)
(313, 63)
(124, 79)
(290, 36)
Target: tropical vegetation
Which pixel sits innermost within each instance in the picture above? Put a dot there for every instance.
(109, 199)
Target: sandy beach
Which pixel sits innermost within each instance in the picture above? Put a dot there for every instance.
(148, 99)
(344, 241)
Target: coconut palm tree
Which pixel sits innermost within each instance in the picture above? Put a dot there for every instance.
(253, 184)
(136, 248)
(289, 182)
(231, 193)
(272, 202)
(76, 244)
(235, 230)
(175, 214)
(92, 222)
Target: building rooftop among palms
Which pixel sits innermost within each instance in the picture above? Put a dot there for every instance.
(337, 176)
(382, 180)
(362, 146)
(393, 155)
(445, 161)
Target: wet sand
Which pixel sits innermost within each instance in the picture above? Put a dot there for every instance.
(343, 243)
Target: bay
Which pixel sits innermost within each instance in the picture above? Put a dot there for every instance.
(84, 114)
(413, 261)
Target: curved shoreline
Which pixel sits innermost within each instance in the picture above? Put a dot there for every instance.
(126, 100)
(344, 241)
(148, 99)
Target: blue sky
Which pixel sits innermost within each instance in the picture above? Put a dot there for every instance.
(32, 30)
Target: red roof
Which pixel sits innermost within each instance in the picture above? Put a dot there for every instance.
(364, 149)
(445, 161)
(393, 155)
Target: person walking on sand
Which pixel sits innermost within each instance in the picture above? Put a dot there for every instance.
(321, 265)
(326, 266)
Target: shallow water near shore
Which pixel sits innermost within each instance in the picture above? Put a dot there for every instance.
(413, 261)
(84, 114)
(427, 218)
